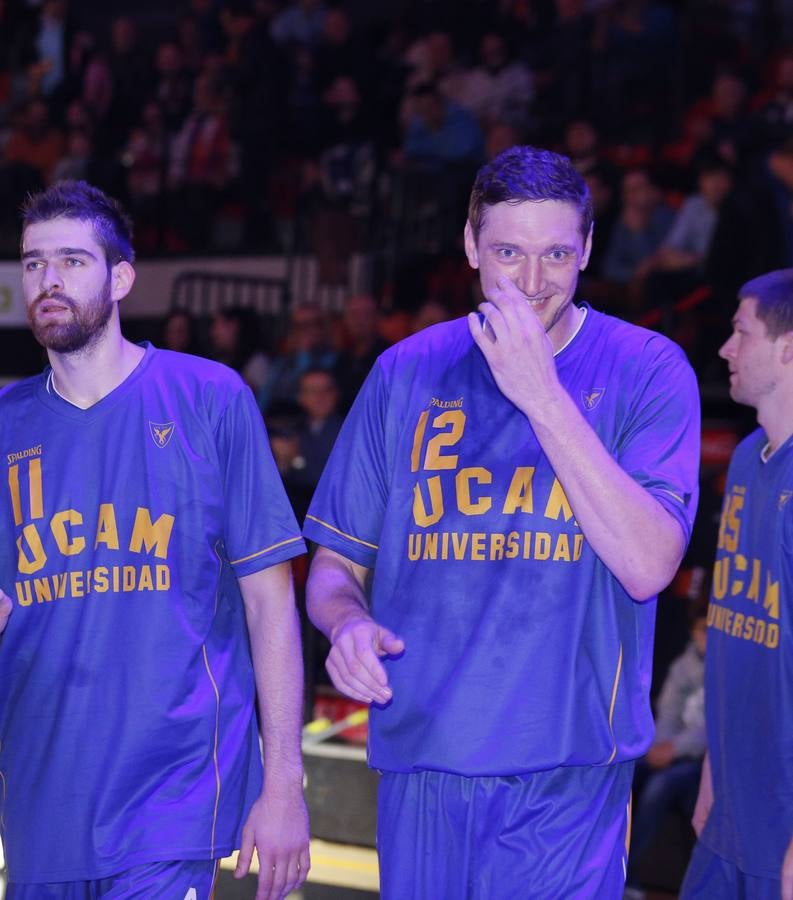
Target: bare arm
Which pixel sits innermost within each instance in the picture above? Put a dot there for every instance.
(338, 606)
(704, 797)
(631, 532)
(278, 822)
(6, 607)
(787, 873)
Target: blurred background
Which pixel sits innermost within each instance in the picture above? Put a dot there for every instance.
(298, 174)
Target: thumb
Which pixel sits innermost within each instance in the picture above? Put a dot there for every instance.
(389, 643)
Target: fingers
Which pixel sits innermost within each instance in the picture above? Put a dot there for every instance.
(390, 644)
(6, 608)
(282, 873)
(354, 661)
(245, 855)
(355, 680)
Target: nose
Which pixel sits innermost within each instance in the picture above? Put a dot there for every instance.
(531, 277)
(727, 348)
(51, 279)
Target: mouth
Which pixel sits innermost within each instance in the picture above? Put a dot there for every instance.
(48, 306)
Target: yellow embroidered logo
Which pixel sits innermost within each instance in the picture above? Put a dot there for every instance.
(447, 404)
(161, 432)
(783, 498)
(591, 398)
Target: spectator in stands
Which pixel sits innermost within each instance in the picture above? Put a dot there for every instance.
(307, 346)
(234, 340)
(132, 77)
(500, 89)
(203, 163)
(300, 22)
(440, 132)
(667, 778)
(779, 169)
(679, 263)
(432, 59)
(284, 421)
(362, 345)
(431, 312)
(730, 121)
(52, 40)
(600, 179)
(174, 88)
(35, 142)
(339, 52)
(775, 119)
(318, 396)
(339, 182)
(76, 162)
(178, 333)
(643, 223)
(144, 158)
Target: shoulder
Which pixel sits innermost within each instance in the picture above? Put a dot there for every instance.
(633, 343)
(204, 382)
(17, 395)
(440, 345)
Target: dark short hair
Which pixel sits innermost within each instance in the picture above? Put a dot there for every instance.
(526, 173)
(82, 201)
(774, 295)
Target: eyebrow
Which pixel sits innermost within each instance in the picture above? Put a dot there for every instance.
(61, 251)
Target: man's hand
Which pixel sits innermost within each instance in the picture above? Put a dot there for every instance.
(6, 608)
(704, 798)
(787, 873)
(661, 754)
(354, 660)
(517, 349)
(277, 826)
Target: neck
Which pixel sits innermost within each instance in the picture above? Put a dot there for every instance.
(777, 422)
(86, 376)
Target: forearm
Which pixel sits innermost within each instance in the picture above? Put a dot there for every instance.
(629, 530)
(274, 632)
(335, 593)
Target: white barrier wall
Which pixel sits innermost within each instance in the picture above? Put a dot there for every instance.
(151, 294)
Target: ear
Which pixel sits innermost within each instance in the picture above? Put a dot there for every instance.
(587, 249)
(786, 340)
(122, 277)
(470, 246)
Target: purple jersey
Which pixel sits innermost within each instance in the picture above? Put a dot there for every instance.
(523, 652)
(127, 725)
(749, 664)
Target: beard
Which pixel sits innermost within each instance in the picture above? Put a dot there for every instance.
(87, 324)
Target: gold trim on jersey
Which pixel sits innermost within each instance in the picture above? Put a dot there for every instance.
(613, 703)
(342, 533)
(215, 747)
(234, 562)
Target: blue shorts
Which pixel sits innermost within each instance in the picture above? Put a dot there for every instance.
(710, 877)
(545, 835)
(189, 880)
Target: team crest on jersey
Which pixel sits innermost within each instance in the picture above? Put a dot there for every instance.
(590, 399)
(783, 498)
(161, 432)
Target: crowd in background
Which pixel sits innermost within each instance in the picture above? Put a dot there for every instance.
(336, 128)
(342, 128)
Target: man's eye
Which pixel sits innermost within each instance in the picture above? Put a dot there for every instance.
(32, 265)
(73, 261)
(558, 255)
(507, 253)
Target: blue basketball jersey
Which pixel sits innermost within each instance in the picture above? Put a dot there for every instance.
(523, 652)
(127, 725)
(749, 663)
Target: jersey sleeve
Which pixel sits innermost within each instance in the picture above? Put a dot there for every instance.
(659, 446)
(347, 511)
(260, 527)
